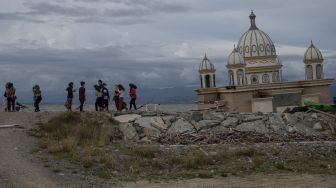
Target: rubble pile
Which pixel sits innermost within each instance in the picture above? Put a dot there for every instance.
(213, 127)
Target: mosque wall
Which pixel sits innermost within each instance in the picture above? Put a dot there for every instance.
(323, 92)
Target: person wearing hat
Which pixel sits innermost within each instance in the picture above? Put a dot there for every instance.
(70, 91)
(82, 96)
(37, 97)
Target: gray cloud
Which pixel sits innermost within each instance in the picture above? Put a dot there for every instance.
(155, 43)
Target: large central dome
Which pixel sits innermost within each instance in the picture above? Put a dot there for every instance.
(255, 43)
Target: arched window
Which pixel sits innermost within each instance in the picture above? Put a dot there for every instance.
(265, 78)
(254, 79)
(319, 71)
(309, 72)
(247, 49)
(201, 80)
(240, 77)
(261, 47)
(231, 78)
(275, 77)
(207, 81)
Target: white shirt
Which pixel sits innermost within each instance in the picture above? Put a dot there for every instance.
(121, 94)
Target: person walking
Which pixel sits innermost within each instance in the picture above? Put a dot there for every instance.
(99, 95)
(11, 97)
(122, 104)
(106, 97)
(133, 95)
(70, 91)
(82, 96)
(116, 96)
(37, 97)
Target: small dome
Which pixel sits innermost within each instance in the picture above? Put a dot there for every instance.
(235, 58)
(206, 65)
(255, 42)
(313, 54)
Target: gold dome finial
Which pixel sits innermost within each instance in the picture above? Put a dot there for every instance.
(252, 19)
(205, 56)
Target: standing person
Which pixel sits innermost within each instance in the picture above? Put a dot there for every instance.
(70, 91)
(106, 97)
(116, 96)
(133, 95)
(82, 96)
(37, 97)
(10, 93)
(122, 104)
(99, 95)
(5, 102)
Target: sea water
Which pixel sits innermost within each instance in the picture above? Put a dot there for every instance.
(91, 107)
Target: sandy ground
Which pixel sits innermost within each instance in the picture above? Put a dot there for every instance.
(20, 168)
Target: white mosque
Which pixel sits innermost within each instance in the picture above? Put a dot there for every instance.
(255, 77)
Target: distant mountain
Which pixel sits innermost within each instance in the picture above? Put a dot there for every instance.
(333, 89)
(181, 95)
(168, 95)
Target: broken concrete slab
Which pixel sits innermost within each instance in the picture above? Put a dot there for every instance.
(256, 126)
(128, 131)
(146, 125)
(206, 124)
(11, 126)
(230, 122)
(127, 118)
(158, 123)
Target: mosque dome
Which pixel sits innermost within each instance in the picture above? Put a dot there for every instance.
(206, 65)
(235, 58)
(312, 54)
(255, 42)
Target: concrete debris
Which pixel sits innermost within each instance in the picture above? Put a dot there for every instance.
(127, 118)
(158, 125)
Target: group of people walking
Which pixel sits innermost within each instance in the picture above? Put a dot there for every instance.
(101, 92)
(103, 96)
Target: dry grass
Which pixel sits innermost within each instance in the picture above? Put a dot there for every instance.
(94, 142)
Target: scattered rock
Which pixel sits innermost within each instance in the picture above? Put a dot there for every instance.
(206, 124)
(127, 118)
(256, 126)
(197, 116)
(168, 120)
(214, 116)
(158, 123)
(250, 118)
(146, 124)
(181, 126)
(314, 116)
(317, 126)
(128, 131)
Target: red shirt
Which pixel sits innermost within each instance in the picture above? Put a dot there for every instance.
(82, 93)
(132, 93)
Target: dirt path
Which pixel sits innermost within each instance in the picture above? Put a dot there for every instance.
(17, 168)
(279, 180)
(20, 168)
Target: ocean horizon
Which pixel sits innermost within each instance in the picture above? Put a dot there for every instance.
(59, 107)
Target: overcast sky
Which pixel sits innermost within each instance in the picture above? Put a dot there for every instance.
(154, 43)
